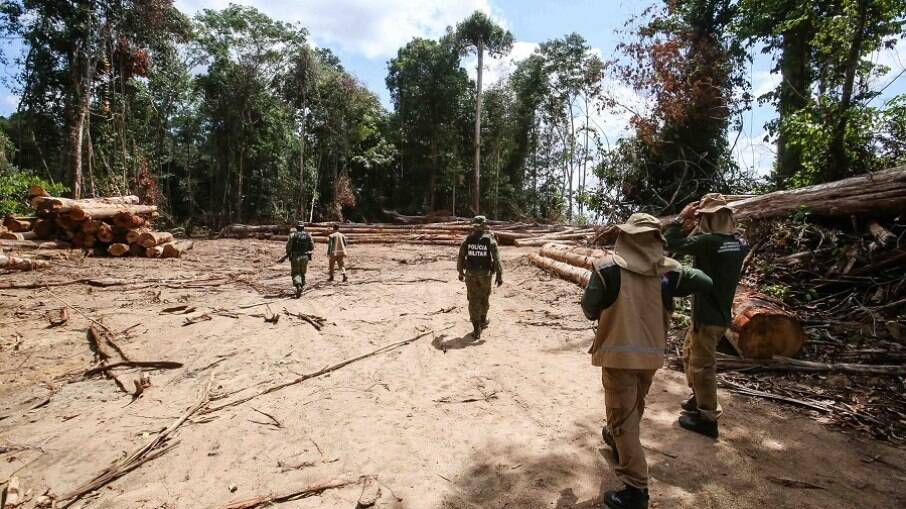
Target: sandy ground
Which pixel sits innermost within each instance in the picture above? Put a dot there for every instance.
(512, 420)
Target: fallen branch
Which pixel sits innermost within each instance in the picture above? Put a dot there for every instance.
(316, 321)
(727, 362)
(267, 500)
(134, 364)
(153, 449)
(324, 371)
(17, 263)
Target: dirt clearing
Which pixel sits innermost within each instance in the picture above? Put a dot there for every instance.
(511, 420)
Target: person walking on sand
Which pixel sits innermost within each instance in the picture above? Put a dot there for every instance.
(336, 252)
(299, 247)
(479, 259)
(630, 293)
(718, 251)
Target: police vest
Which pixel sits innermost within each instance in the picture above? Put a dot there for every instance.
(478, 253)
(301, 243)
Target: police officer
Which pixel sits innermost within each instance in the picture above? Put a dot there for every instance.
(719, 252)
(299, 247)
(478, 259)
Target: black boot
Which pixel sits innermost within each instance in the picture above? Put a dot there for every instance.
(690, 405)
(695, 422)
(608, 439)
(330, 279)
(298, 291)
(476, 330)
(485, 322)
(345, 277)
(627, 498)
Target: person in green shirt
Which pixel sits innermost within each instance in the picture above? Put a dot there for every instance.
(299, 247)
(630, 293)
(719, 252)
(478, 259)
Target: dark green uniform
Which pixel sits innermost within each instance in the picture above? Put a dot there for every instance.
(720, 256)
(299, 247)
(478, 260)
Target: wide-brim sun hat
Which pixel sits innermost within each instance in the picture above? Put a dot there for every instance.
(712, 203)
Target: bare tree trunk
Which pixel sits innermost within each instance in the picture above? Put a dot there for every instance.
(76, 139)
(476, 197)
(302, 162)
(239, 186)
(839, 165)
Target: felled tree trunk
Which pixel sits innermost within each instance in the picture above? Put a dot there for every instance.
(562, 270)
(18, 235)
(109, 211)
(152, 239)
(118, 249)
(16, 263)
(761, 328)
(16, 225)
(128, 219)
(176, 249)
(874, 193)
(66, 204)
(572, 256)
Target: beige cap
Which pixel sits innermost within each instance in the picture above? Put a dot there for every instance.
(711, 203)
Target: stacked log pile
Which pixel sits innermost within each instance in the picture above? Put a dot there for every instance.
(111, 226)
(448, 233)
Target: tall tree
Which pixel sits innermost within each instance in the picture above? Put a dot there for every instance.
(69, 45)
(479, 33)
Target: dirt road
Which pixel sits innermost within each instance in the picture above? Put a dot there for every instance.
(512, 420)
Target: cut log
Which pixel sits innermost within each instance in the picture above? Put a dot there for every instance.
(882, 192)
(128, 219)
(105, 211)
(104, 233)
(584, 259)
(133, 234)
(18, 235)
(15, 263)
(761, 328)
(882, 235)
(176, 249)
(154, 251)
(118, 249)
(34, 244)
(136, 249)
(66, 204)
(151, 239)
(44, 228)
(562, 270)
(16, 225)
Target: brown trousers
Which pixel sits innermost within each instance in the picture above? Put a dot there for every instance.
(337, 260)
(624, 400)
(700, 365)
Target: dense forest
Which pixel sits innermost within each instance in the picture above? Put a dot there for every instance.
(231, 116)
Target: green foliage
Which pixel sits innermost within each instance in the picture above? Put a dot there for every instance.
(14, 186)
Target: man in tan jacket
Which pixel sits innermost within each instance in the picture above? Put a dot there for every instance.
(630, 293)
(336, 252)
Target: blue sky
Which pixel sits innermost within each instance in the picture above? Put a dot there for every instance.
(365, 34)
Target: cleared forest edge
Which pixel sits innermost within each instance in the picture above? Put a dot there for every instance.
(440, 422)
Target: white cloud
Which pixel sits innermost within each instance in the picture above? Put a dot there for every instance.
(501, 67)
(764, 82)
(754, 154)
(9, 103)
(372, 28)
